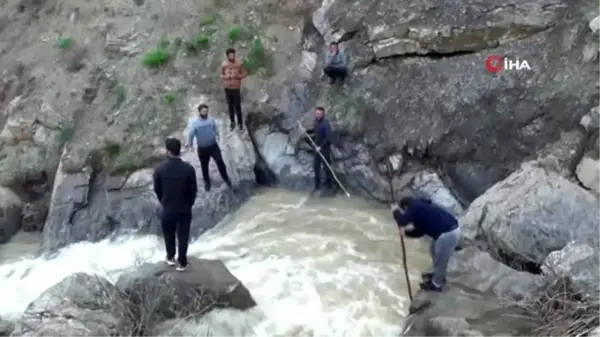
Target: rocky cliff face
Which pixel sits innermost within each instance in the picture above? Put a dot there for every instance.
(88, 102)
(98, 86)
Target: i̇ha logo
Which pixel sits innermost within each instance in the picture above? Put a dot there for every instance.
(495, 64)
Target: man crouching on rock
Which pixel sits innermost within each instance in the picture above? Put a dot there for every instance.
(175, 187)
(434, 221)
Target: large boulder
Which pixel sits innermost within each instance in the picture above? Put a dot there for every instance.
(530, 214)
(6, 327)
(89, 205)
(579, 262)
(479, 291)
(11, 208)
(157, 292)
(79, 305)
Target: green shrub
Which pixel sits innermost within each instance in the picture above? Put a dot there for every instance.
(66, 134)
(234, 34)
(201, 39)
(112, 149)
(121, 94)
(257, 57)
(208, 20)
(65, 42)
(170, 98)
(156, 58)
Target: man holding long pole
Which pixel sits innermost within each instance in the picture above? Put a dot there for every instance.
(323, 145)
(434, 221)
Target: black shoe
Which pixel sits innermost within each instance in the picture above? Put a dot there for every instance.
(207, 187)
(426, 276)
(241, 127)
(232, 127)
(429, 286)
(429, 276)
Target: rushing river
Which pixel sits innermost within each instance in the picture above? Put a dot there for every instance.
(316, 267)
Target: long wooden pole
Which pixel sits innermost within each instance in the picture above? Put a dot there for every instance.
(324, 160)
(404, 259)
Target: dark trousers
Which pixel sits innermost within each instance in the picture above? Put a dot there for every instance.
(336, 73)
(176, 224)
(234, 101)
(318, 163)
(214, 152)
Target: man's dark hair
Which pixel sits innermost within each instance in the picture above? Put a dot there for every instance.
(230, 51)
(202, 106)
(333, 44)
(320, 108)
(173, 146)
(404, 202)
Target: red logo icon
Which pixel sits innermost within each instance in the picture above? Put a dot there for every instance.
(494, 63)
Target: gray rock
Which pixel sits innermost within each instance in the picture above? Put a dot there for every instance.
(531, 213)
(578, 261)
(591, 120)
(478, 271)
(89, 206)
(429, 184)
(596, 331)
(6, 327)
(167, 294)
(588, 173)
(79, 305)
(446, 326)
(11, 208)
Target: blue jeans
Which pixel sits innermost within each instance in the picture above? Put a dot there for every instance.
(441, 251)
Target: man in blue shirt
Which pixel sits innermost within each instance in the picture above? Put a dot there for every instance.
(206, 132)
(322, 133)
(336, 63)
(435, 222)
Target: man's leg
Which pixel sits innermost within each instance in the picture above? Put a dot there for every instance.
(341, 74)
(204, 157)
(429, 273)
(237, 104)
(184, 221)
(317, 168)
(231, 106)
(328, 175)
(169, 225)
(216, 154)
(444, 248)
(330, 72)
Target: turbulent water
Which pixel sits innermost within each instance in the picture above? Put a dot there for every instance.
(316, 267)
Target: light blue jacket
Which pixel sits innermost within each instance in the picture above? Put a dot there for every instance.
(205, 131)
(338, 60)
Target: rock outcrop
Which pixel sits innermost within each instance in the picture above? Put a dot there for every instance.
(480, 292)
(166, 294)
(578, 261)
(10, 214)
(142, 299)
(91, 205)
(79, 305)
(530, 214)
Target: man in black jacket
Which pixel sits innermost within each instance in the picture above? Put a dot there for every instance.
(175, 187)
(323, 141)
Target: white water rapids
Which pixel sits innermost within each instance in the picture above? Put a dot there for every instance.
(316, 267)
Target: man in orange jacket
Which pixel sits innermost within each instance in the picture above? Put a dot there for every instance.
(232, 74)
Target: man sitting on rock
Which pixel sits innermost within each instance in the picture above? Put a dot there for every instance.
(336, 63)
(175, 187)
(206, 132)
(434, 221)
